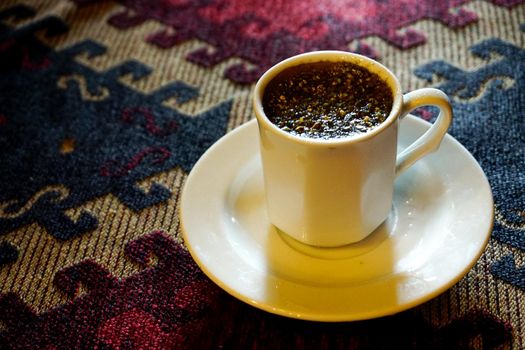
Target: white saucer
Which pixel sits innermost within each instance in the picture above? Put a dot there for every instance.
(440, 223)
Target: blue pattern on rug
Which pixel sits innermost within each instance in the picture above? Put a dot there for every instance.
(489, 120)
(86, 134)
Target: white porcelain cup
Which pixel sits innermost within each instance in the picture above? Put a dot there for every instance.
(332, 192)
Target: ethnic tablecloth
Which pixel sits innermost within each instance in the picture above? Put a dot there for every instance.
(106, 106)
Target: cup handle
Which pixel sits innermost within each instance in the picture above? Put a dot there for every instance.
(430, 140)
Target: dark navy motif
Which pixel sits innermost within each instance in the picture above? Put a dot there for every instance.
(507, 270)
(87, 134)
(489, 105)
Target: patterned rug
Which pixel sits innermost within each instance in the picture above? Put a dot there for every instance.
(106, 106)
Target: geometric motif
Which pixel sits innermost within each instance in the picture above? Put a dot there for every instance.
(74, 137)
(86, 134)
(153, 309)
(264, 33)
(170, 304)
(488, 106)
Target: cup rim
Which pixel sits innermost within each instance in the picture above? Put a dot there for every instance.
(328, 55)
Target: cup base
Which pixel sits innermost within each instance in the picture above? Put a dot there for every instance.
(351, 250)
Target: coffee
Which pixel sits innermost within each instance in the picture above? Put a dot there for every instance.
(327, 100)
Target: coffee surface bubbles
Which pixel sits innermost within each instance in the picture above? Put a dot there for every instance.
(327, 100)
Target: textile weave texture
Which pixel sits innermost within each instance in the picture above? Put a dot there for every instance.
(105, 107)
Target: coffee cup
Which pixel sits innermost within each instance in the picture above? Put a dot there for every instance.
(333, 191)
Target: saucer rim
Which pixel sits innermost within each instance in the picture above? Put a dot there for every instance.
(339, 317)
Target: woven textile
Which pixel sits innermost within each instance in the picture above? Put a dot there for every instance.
(105, 107)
